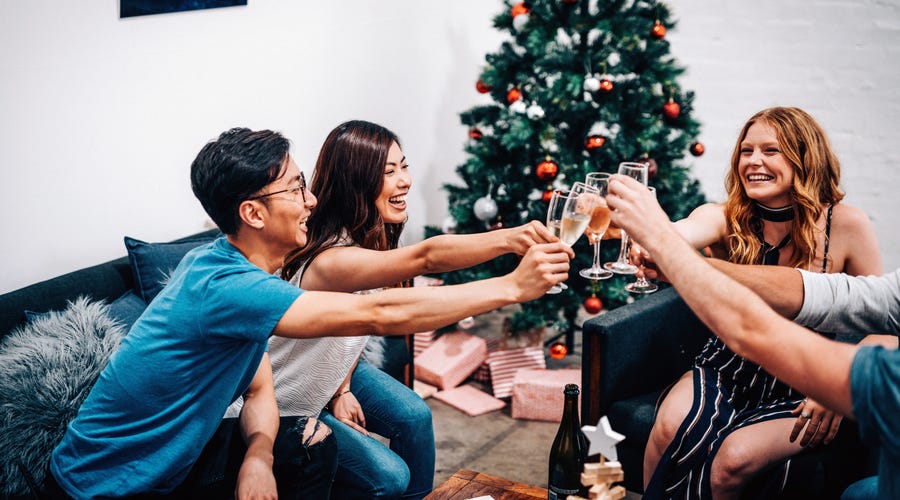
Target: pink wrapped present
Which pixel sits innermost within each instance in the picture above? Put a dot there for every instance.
(450, 359)
(422, 341)
(538, 394)
(470, 400)
(483, 373)
(505, 363)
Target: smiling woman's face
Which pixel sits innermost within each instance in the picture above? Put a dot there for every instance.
(391, 202)
(765, 173)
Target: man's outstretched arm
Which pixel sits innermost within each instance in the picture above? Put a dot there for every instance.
(805, 360)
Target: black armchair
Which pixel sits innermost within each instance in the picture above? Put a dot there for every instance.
(632, 353)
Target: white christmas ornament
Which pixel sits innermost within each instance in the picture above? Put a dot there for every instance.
(534, 112)
(449, 225)
(518, 107)
(613, 59)
(602, 439)
(520, 21)
(466, 323)
(485, 208)
(591, 84)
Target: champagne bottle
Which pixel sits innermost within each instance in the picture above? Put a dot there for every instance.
(568, 452)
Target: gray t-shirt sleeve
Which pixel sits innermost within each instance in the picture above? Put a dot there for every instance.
(851, 304)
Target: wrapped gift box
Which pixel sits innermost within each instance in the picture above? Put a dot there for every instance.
(538, 394)
(450, 359)
(422, 341)
(470, 400)
(505, 363)
(483, 373)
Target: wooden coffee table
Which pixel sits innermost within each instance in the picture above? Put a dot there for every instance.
(470, 484)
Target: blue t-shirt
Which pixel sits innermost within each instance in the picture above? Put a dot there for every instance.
(162, 395)
(875, 392)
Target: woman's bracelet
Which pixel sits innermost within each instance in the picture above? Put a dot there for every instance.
(345, 391)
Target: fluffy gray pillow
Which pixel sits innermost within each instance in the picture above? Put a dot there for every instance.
(47, 368)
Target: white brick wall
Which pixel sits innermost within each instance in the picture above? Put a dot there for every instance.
(839, 60)
(100, 117)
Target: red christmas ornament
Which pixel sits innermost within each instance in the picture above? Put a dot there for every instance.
(658, 31)
(558, 350)
(671, 109)
(593, 305)
(482, 87)
(513, 95)
(652, 167)
(606, 85)
(546, 195)
(697, 148)
(546, 170)
(497, 225)
(519, 8)
(593, 142)
(474, 133)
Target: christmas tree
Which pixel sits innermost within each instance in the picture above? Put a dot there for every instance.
(579, 86)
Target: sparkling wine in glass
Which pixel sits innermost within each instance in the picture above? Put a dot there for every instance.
(597, 226)
(577, 212)
(642, 285)
(555, 222)
(621, 266)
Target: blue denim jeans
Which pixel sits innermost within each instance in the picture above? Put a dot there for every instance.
(303, 469)
(367, 468)
(863, 489)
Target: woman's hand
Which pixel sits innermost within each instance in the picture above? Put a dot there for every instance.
(347, 409)
(821, 423)
(520, 239)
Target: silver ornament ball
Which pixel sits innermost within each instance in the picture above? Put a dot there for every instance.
(485, 208)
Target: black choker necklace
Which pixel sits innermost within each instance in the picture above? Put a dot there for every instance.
(781, 214)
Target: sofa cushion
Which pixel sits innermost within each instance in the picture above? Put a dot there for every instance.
(153, 263)
(127, 308)
(47, 368)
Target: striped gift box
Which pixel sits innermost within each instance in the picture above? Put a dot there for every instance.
(421, 341)
(483, 373)
(505, 363)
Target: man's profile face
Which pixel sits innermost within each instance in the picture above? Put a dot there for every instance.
(288, 205)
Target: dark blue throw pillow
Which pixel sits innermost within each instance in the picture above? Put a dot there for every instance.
(153, 263)
(127, 309)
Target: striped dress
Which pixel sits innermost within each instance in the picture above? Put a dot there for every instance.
(730, 393)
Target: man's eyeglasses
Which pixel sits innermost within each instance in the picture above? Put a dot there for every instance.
(301, 189)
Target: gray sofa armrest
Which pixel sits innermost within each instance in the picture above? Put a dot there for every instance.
(637, 349)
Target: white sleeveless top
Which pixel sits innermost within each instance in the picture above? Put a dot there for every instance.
(307, 372)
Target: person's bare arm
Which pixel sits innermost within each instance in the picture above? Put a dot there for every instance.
(803, 359)
(401, 310)
(349, 268)
(704, 226)
(259, 426)
(781, 287)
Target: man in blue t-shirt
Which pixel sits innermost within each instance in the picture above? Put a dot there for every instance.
(152, 423)
(859, 381)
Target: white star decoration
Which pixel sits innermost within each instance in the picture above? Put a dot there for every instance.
(602, 439)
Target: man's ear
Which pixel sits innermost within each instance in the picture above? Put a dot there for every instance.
(253, 213)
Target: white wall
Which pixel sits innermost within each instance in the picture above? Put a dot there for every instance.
(100, 117)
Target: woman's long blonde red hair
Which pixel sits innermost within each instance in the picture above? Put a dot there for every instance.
(817, 176)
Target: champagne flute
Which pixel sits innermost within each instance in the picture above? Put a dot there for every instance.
(577, 212)
(642, 285)
(554, 223)
(597, 226)
(621, 266)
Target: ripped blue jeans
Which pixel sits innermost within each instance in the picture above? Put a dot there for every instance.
(304, 467)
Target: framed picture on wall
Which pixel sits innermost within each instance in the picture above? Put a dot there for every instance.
(132, 8)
